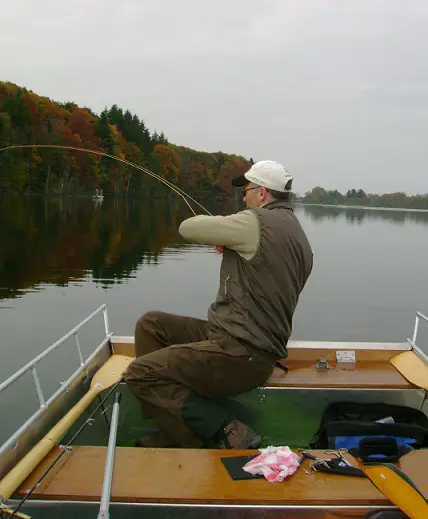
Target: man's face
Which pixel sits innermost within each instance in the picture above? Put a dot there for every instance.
(252, 195)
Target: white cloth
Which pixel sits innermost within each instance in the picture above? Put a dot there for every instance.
(274, 463)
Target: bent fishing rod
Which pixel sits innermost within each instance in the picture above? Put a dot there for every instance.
(172, 186)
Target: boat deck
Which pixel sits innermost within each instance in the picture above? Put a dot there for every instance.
(184, 476)
(189, 477)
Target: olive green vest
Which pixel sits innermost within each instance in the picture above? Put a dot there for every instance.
(257, 298)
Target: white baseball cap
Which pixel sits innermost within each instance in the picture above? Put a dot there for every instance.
(267, 173)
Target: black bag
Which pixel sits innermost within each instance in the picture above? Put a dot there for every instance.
(344, 424)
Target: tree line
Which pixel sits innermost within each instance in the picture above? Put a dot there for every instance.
(358, 197)
(27, 118)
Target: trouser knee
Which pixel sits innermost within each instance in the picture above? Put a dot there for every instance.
(138, 376)
(147, 320)
(149, 336)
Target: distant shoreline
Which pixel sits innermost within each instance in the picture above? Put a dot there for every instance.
(366, 207)
(217, 198)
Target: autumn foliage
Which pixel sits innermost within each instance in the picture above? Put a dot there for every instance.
(27, 118)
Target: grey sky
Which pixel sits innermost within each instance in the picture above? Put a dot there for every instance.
(337, 90)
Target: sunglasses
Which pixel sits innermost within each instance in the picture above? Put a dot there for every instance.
(250, 188)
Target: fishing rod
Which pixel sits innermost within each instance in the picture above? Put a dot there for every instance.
(172, 186)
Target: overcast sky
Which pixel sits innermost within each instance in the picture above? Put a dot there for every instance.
(337, 90)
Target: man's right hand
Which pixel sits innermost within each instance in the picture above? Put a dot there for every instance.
(219, 249)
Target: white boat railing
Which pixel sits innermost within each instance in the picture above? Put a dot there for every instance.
(109, 466)
(32, 366)
(419, 317)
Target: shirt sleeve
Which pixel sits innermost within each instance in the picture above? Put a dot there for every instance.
(239, 231)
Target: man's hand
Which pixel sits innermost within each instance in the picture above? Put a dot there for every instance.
(219, 249)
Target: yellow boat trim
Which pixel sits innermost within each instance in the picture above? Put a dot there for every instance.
(394, 485)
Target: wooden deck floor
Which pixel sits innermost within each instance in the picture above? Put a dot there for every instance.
(199, 476)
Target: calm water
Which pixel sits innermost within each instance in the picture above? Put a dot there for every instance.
(61, 259)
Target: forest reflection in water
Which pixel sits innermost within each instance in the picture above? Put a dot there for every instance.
(57, 240)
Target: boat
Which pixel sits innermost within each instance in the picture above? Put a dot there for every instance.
(74, 455)
(98, 195)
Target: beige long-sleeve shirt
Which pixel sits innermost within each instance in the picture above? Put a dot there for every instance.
(240, 231)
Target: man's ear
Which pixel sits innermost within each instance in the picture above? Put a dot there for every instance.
(263, 192)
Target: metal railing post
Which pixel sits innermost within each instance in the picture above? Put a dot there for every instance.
(106, 323)
(416, 349)
(109, 466)
(38, 387)
(416, 329)
(79, 350)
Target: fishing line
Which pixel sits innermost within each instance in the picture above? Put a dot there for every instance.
(172, 186)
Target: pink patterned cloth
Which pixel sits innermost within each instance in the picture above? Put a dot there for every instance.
(274, 463)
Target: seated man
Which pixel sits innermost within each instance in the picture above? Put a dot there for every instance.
(184, 366)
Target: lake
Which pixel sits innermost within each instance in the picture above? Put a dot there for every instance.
(61, 258)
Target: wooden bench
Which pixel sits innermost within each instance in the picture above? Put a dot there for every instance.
(186, 476)
(372, 368)
(362, 375)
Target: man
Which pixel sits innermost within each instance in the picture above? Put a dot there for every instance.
(185, 366)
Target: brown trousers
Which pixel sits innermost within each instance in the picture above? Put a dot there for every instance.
(182, 371)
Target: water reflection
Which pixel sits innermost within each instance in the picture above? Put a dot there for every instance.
(359, 215)
(63, 240)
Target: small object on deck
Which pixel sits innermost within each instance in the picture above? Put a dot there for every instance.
(346, 356)
(336, 466)
(322, 364)
(274, 463)
(282, 366)
(234, 465)
(339, 455)
(308, 455)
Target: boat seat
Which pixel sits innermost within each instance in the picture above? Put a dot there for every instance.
(372, 368)
(190, 476)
